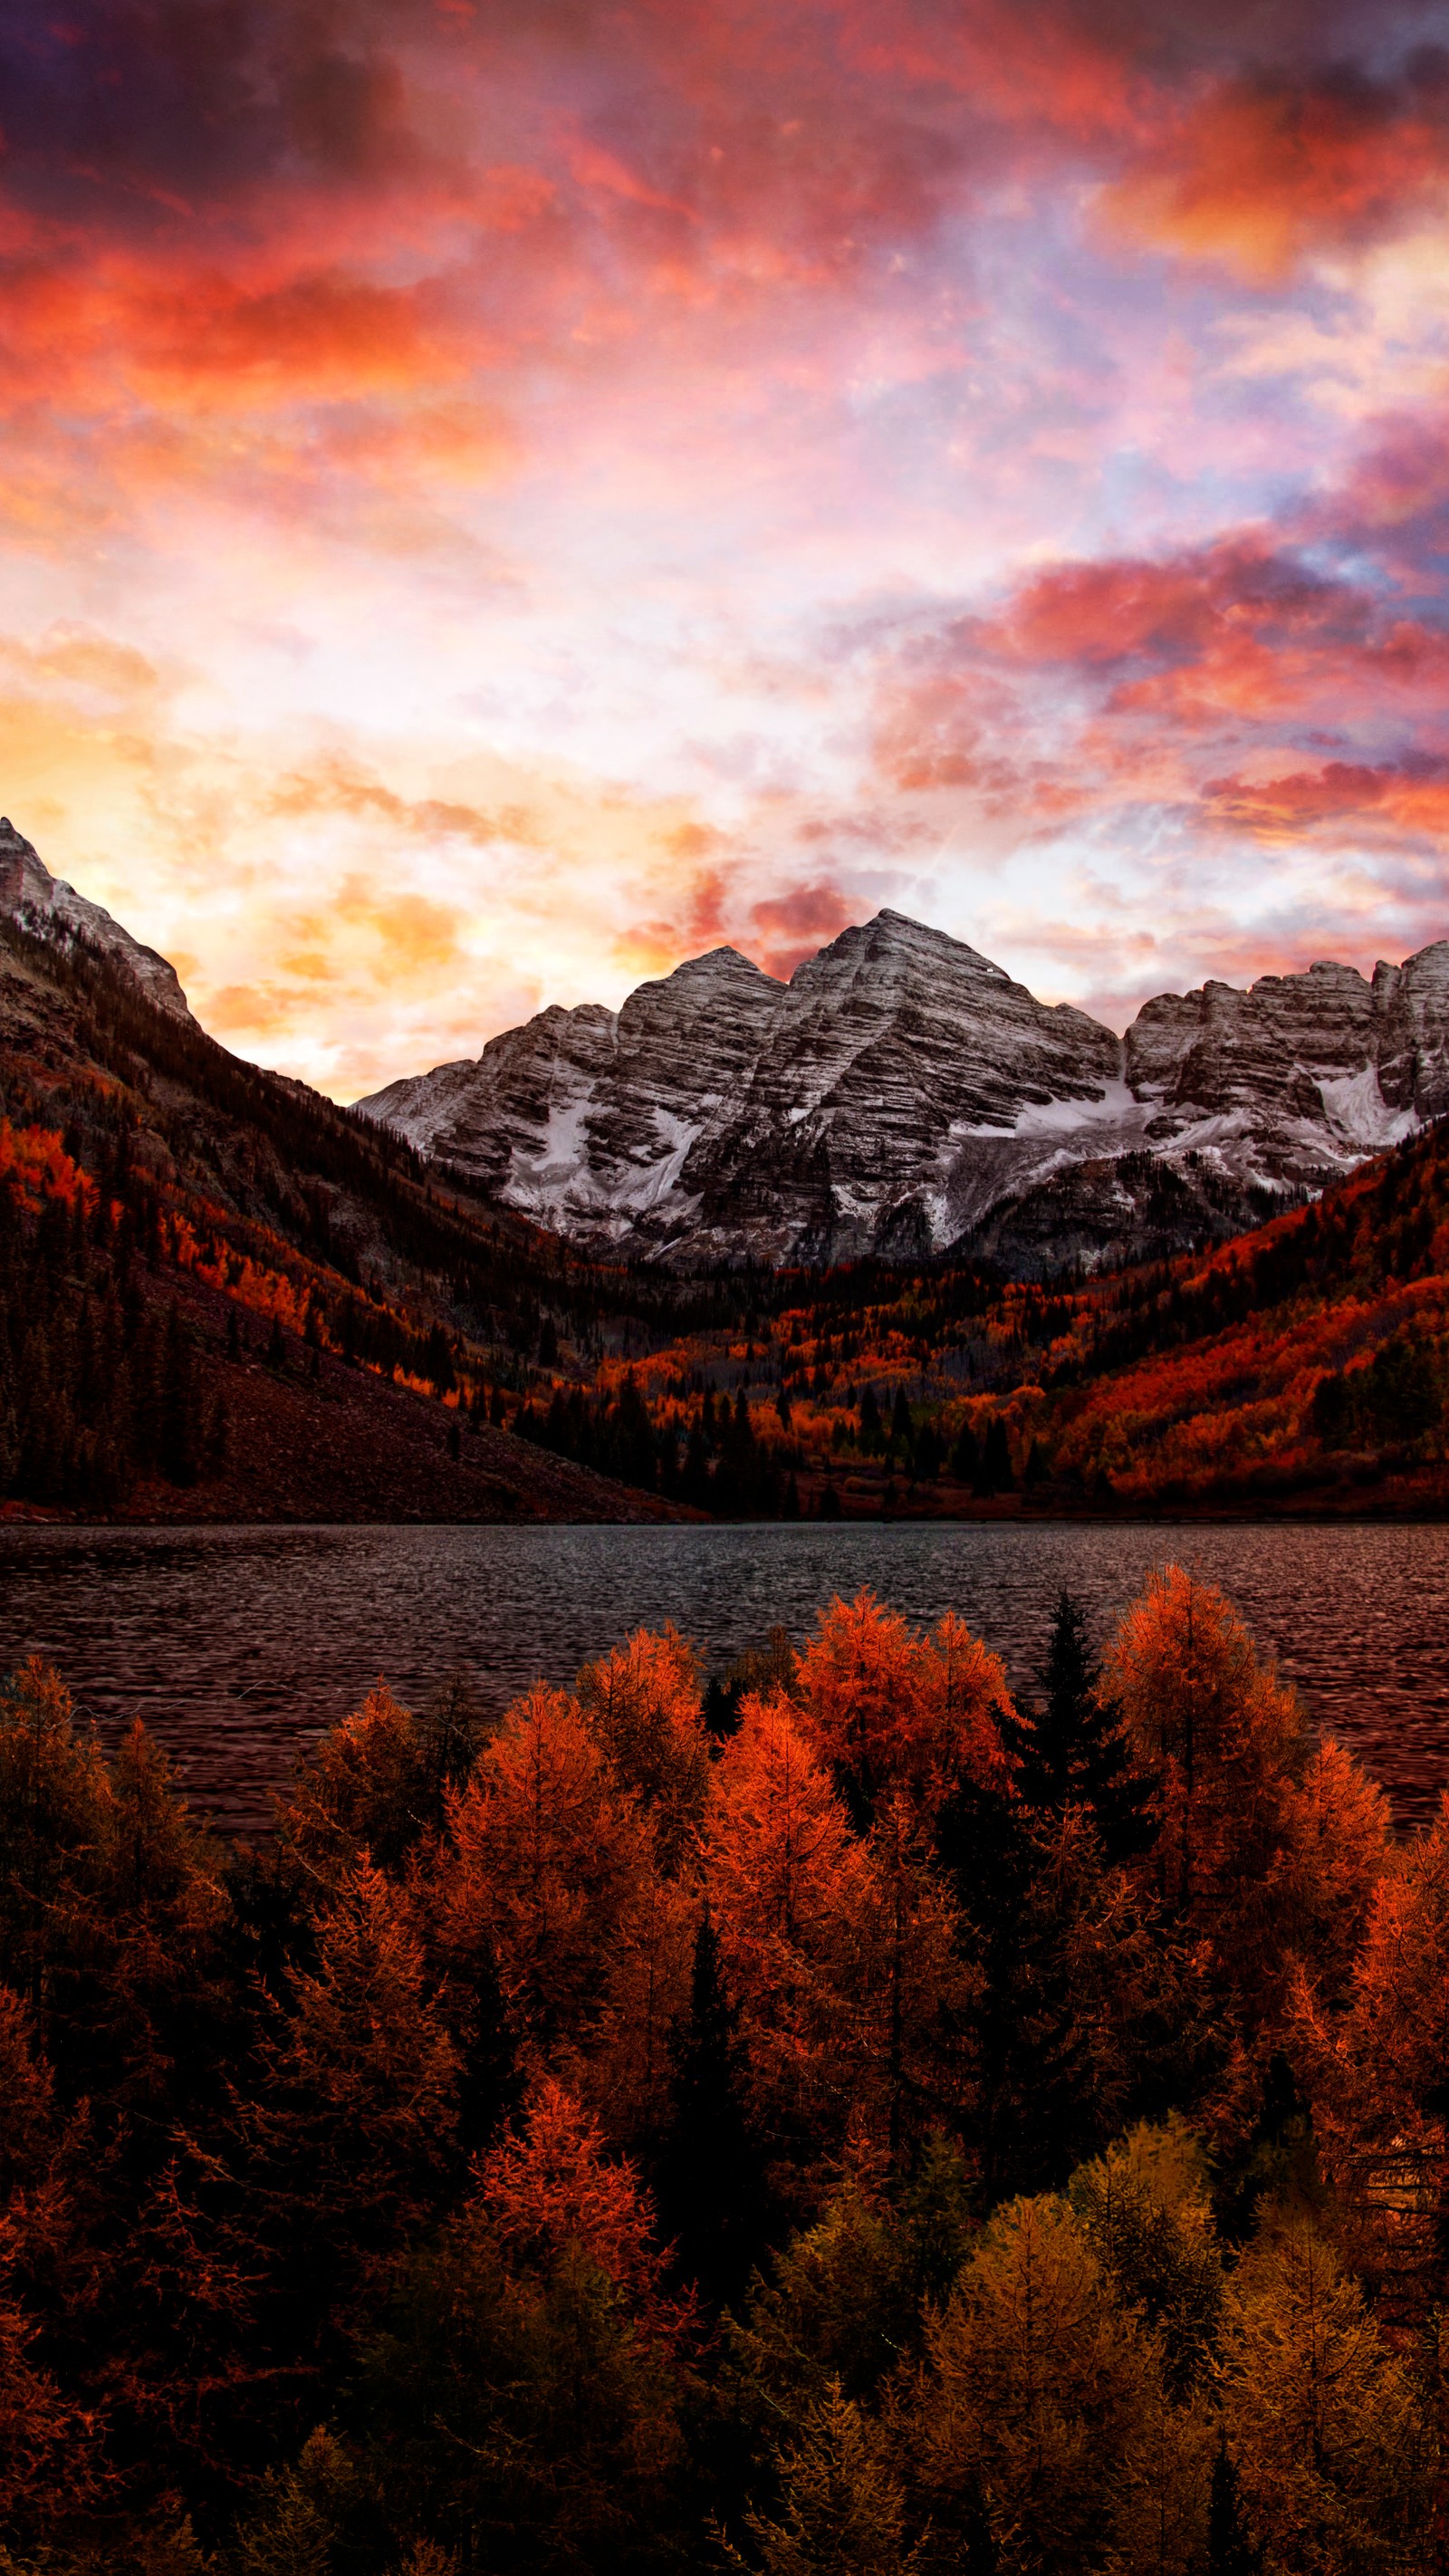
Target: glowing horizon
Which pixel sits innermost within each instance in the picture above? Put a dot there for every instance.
(496, 500)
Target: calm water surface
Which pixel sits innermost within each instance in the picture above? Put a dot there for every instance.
(238, 1646)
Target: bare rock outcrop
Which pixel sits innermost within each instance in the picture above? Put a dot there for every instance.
(53, 909)
(902, 1096)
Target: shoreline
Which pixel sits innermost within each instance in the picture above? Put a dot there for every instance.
(1166, 1516)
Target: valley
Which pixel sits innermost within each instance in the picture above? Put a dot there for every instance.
(223, 1298)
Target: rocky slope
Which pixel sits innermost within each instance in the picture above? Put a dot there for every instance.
(53, 910)
(234, 1199)
(902, 1095)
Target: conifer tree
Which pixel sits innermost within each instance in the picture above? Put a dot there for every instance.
(966, 1456)
(1076, 1750)
(1229, 2550)
(9, 1438)
(179, 1440)
(1022, 2026)
(710, 2184)
(844, 2509)
(996, 1474)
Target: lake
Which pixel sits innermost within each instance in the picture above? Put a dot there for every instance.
(238, 1646)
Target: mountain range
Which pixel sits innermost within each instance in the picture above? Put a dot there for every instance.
(224, 1298)
(902, 1096)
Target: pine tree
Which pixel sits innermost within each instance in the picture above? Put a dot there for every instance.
(9, 1439)
(710, 2186)
(178, 1450)
(996, 1475)
(1230, 2552)
(1076, 1750)
(1023, 2026)
(965, 1456)
(844, 2510)
(276, 1347)
(930, 1453)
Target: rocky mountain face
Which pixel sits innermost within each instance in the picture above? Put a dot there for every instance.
(902, 1096)
(53, 910)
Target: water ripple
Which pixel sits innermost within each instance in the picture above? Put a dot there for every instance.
(238, 1646)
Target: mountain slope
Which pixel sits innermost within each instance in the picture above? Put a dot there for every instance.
(903, 1097)
(220, 1297)
(1302, 1368)
(56, 913)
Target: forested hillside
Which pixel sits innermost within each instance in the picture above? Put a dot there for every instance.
(222, 1297)
(1301, 1367)
(841, 2124)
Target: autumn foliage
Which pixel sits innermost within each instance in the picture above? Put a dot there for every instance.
(885, 2128)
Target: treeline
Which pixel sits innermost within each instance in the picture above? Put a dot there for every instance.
(719, 1464)
(339, 1189)
(102, 1360)
(711, 1455)
(1311, 1359)
(100, 1381)
(1382, 1227)
(837, 2120)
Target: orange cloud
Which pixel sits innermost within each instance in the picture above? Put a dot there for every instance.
(311, 339)
(1261, 169)
(1412, 797)
(339, 786)
(788, 928)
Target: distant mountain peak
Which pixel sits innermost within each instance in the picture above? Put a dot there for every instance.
(902, 930)
(52, 909)
(719, 966)
(904, 1096)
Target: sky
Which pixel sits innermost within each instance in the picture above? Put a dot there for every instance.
(498, 496)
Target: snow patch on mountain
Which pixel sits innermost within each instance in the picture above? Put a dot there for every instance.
(903, 1096)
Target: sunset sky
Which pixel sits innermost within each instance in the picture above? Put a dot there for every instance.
(499, 495)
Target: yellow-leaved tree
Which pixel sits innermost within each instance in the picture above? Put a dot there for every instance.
(1329, 2432)
(1042, 2418)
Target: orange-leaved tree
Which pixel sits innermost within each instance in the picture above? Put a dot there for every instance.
(519, 2404)
(894, 1709)
(1374, 2062)
(51, 2455)
(550, 2184)
(913, 1988)
(364, 1794)
(1227, 1742)
(788, 1881)
(643, 1705)
(549, 1856)
(345, 2134)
